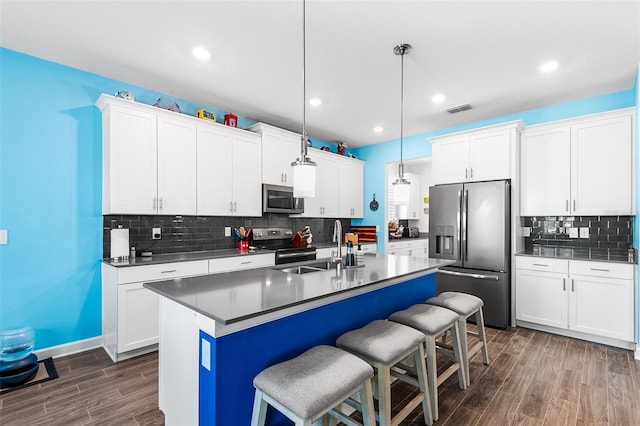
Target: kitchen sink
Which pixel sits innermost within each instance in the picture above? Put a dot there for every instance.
(310, 267)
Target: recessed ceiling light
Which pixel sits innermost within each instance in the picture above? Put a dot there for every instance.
(548, 66)
(201, 53)
(438, 98)
(315, 101)
(378, 129)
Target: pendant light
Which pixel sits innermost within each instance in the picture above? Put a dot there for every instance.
(401, 185)
(304, 170)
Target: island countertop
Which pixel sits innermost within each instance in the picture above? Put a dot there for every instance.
(232, 297)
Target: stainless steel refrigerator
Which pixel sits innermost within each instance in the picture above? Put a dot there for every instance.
(470, 223)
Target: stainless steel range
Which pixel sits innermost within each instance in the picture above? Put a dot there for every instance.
(280, 240)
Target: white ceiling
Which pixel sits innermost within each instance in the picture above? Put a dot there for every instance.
(478, 52)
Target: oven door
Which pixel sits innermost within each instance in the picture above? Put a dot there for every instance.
(280, 199)
(292, 255)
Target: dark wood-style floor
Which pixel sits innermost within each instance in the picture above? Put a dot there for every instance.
(534, 378)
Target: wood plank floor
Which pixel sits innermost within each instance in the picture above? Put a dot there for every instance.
(534, 378)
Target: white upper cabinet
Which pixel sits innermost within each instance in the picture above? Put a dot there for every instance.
(325, 203)
(351, 197)
(478, 155)
(279, 149)
(229, 164)
(412, 209)
(579, 167)
(148, 159)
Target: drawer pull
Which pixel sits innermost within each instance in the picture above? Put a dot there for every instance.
(540, 264)
(169, 271)
(564, 284)
(601, 270)
(246, 263)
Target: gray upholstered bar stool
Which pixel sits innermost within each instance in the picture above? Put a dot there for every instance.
(465, 305)
(433, 321)
(310, 386)
(383, 344)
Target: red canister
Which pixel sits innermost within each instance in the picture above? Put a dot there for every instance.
(231, 120)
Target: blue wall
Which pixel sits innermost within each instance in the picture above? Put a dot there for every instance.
(50, 195)
(376, 156)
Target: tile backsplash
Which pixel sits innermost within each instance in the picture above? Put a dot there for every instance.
(201, 233)
(605, 237)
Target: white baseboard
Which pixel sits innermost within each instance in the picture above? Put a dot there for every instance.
(69, 348)
(637, 353)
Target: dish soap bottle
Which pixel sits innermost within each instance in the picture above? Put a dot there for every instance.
(359, 256)
(350, 258)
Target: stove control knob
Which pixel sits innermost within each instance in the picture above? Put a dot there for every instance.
(289, 232)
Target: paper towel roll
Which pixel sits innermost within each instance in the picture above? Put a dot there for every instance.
(119, 243)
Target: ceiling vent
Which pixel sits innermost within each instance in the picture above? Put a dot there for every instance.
(458, 108)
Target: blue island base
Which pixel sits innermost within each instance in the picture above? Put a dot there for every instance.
(226, 388)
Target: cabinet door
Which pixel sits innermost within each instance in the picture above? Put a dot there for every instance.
(272, 149)
(138, 317)
(545, 172)
(214, 171)
(350, 192)
(176, 166)
(601, 167)
(313, 207)
(290, 152)
(490, 156)
(541, 298)
(247, 190)
(129, 162)
(330, 187)
(602, 306)
(450, 160)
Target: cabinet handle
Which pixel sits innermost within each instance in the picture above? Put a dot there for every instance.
(599, 269)
(245, 263)
(566, 205)
(471, 172)
(466, 173)
(155, 203)
(160, 206)
(285, 178)
(540, 264)
(574, 205)
(573, 286)
(231, 206)
(564, 284)
(235, 206)
(169, 271)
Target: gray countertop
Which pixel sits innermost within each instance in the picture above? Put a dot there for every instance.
(182, 257)
(575, 254)
(235, 296)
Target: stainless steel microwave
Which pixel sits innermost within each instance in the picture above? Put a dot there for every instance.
(280, 199)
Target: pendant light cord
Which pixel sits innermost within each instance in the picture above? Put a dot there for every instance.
(401, 107)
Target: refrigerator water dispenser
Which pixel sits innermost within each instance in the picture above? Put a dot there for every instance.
(444, 240)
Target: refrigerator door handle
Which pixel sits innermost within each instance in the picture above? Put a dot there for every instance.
(465, 205)
(468, 275)
(459, 256)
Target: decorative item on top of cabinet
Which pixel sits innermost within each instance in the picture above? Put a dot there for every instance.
(580, 166)
(590, 300)
(149, 158)
(476, 155)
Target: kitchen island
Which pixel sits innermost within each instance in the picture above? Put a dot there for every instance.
(218, 331)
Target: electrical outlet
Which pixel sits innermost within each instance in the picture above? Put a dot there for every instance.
(526, 231)
(156, 233)
(584, 232)
(4, 236)
(227, 231)
(573, 232)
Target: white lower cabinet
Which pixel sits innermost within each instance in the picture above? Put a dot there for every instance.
(130, 312)
(594, 299)
(414, 248)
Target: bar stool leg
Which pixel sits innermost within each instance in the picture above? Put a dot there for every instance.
(259, 409)
(384, 393)
(457, 352)
(368, 413)
(419, 357)
(482, 335)
(462, 330)
(432, 374)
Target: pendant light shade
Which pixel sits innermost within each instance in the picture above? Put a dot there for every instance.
(304, 170)
(401, 185)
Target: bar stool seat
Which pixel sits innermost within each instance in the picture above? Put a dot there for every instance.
(465, 305)
(384, 344)
(311, 385)
(433, 321)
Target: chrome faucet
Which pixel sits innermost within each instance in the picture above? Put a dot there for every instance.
(336, 257)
